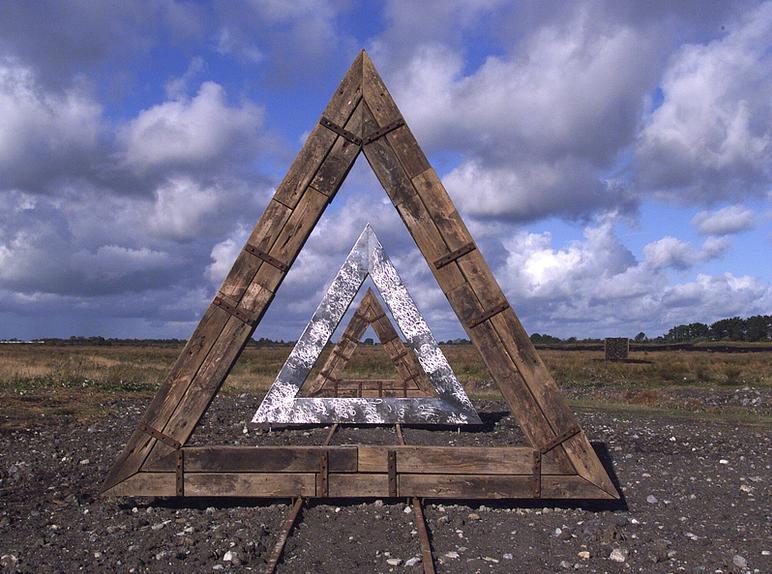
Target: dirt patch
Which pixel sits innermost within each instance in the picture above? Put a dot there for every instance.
(697, 495)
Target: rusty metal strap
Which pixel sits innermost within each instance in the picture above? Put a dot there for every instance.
(402, 353)
(344, 133)
(392, 465)
(328, 376)
(390, 339)
(455, 254)
(536, 473)
(380, 132)
(233, 310)
(348, 337)
(156, 434)
(324, 477)
(560, 439)
(180, 472)
(487, 314)
(252, 250)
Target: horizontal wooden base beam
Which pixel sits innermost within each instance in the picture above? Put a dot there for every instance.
(358, 485)
(359, 471)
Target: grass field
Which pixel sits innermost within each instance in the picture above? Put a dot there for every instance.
(36, 380)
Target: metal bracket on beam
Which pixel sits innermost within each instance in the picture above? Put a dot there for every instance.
(252, 250)
(455, 254)
(392, 465)
(350, 338)
(487, 314)
(536, 473)
(560, 439)
(158, 435)
(342, 132)
(380, 132)
(180, 472)
(324, 478)
(233, 310)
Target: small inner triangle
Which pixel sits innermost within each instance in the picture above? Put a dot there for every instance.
(334, 380)
(367, 258)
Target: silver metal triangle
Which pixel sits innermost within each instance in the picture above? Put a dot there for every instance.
(367, 258)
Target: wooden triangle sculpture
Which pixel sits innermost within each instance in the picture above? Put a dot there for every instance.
(330, 379)
(361, 117)
(366, 259)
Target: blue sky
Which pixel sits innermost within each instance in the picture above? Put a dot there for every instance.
(612, 159)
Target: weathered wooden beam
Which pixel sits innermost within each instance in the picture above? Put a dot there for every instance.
(262, 459)
(452, 460)
(355, 485)
(277, 235)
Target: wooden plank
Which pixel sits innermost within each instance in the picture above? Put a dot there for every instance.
(258, 485)
(262, 459)
(263, 236)
(464, 486)
(385, 164)
(292, 237)
(146, 484)
(320, 140)
(571, 487)
(169, 394)
(386, 112)
(358, 485)
(448, 460)
(336, 166)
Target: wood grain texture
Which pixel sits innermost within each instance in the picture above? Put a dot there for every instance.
(258, 485)
(262, 459)
(464, 486)
(452, 460)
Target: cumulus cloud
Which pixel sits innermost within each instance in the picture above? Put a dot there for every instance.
(710, 138)
(672, 252)
(44, 135)
(186, 133)
(731, 219)
(539, 127)
(597, 285)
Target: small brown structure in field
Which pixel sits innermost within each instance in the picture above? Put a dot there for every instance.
(617, 348)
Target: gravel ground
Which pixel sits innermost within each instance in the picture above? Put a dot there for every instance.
(697, 500)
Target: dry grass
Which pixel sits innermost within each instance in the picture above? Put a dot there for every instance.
(38, 379)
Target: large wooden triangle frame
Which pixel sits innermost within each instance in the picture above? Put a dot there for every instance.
(360, 116)
(449, 406)
(369, 313)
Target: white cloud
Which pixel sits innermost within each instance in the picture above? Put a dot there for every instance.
(187, 133)
(224, 254)
(672, 252)
(44, 135)
(731, 219)
(711, 138)
(539, 127)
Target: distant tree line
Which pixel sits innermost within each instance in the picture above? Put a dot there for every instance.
(116, 342)
(752, 329)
